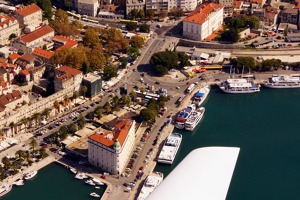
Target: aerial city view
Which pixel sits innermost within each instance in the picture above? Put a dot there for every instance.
(157, 100)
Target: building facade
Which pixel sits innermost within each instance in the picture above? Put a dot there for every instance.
(76, 74)
(93, 83)
(110, 151)
(8, 26)
(134, 4)
(203, 21)
(88, 7)
(30, 15)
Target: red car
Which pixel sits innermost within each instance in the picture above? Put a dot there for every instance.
(290, 45)
(45, 146)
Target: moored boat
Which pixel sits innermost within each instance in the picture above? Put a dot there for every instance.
(30, 175)
(194, 119)
(94, 194)
(90, 182)
(73, 170)
(239, 86)
(170, 148)
(200, 96)
(81, 176)
(97, 182)
(283, 81)
(4, 189)
(19, 182)
(183, 116)
(152, 181)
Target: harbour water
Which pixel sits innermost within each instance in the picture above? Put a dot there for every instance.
(53, 182)
(266, 127)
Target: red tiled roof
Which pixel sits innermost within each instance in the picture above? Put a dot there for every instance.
(14, 56)
(3, 60)
(69, 43)
(36, 34)
(27, 57)
(237, 4)
(6, 20)
(256, 1)
(69, 70)
(201, 13)
(42, 53)
(25, 72)
(8, 98)
(64, 77)
(123, 125)
(27, 10)
(7, 65)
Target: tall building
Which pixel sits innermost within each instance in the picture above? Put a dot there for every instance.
(31, 15)
(88, 7)
(94, 84)
(203, 21)
(8, 26)
(75, 74)
(111, 150)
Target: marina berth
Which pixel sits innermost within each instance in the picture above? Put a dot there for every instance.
(183, 116)
(239, 86)
(205, 173)
(30, 175)
(283, 81)
(152, 181)
(170, 148)
(4, 189)
(194, 119)
(200, 96)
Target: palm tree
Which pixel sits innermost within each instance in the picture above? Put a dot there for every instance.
(84, 89)
(66, 98)
(142, 89)
(6, 162)
(46, 112)
(107, 108)
(75, 95)
(37, 118)
(24, 121)
(20, 154)
(12, 126)
(33, 144)
(56, 104)
(133, 95)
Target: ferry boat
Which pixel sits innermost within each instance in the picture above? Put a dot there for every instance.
(283, 81)
(183, 116)
(30, 175)
(152, 181)
(19, 182)
(94, 194)
(239, 86)
(4, 189)
(170, 148)
(200, 96)
(194, 119)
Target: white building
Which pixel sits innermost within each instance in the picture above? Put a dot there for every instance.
(203, 21)
(134, 4)
(88, 7)
(167, 5)
(111, 150)
(8, 26)
(31, 15)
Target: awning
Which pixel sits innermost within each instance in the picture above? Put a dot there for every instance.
(199, 94)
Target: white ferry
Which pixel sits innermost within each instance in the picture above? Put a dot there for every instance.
(183, 116)
(239, 86)
(30, 175)
(194, 119)
(152, 181)
(200, 96)
(170, 148)
(283, 81)
(4, 189)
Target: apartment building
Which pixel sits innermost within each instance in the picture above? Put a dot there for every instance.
(8, 25)
(93, 83)
(289, 15)
(111, 150)
(134, 4)
(30, 15)
(167, 5)
(76, 75)
(203, 21)
(88, 7)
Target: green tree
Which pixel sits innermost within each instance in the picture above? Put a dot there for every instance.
(56, 104)
(97, 58)
(75, 95)
(81, 121)
(281, 7)
(141, 14)
(150, 14)
(133, 53)
(6, 162)
(243, 62)
(176, 12)
(12, 127)
(12, 36)
(145, 28)
(133, 13)
(46, 6)
(84, 90)
(46, 113)
(73, 128)
(133, 95)
(25, 121)
(98, 112)
(147, 115)
(230, 35)
(183, 59)
(107, 108)
(137, 42)
(68, 4)
(33, 144)
(109, 72)
(91, 38)
(130, 26)
(90, 115)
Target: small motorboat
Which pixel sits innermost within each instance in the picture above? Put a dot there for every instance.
(81, 176)
(94, 194)
(97, 187)
(73, 170)
(90, 182)
(19, 182)
(98, 182)
(30, 175)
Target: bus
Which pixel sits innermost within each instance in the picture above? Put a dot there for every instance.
(90, 20)
(190, 88)
(74, 15)
(127, 21)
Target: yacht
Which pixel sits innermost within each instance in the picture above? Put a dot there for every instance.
(239, 86)
(200, 96)
(94, 194)
(81, 176)
(152, 181)
(90, 182)
(4, 189)
(73, 170)
(183, 115)
(170, 148)
(97, 182)
(19, 182)
(194, 119)
(283, 81)
(30, 175)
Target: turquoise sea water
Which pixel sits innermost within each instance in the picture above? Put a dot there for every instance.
(266, 127)
(53, 182)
